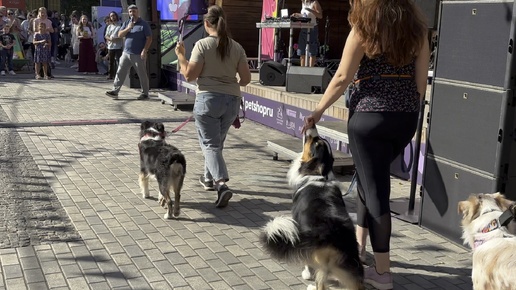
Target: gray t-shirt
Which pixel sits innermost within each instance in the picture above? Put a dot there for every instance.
(135, 39)
(218, 76)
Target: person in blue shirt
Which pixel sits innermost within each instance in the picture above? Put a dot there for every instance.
(138, 38)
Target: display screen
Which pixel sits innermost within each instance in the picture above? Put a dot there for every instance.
(170, 33)
(174, 9)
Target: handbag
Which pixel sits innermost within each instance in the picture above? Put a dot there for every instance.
(237, 123)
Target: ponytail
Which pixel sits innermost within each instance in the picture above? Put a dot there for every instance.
(223, 47)
(217, 18)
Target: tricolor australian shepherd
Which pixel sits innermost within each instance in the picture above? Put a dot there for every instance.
(494, 247)
(162, 161)
(320, 232)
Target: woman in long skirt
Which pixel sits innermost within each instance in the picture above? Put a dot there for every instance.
(86, 34)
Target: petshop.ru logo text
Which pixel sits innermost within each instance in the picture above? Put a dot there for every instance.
(257, 108)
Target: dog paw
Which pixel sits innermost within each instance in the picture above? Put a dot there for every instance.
(176, 213)
(163, 203)
(311, 287)
(145, 195)
(307, 274)
(167, 216)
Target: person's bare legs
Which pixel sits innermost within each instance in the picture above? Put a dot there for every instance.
(382, 262)
(36, 68)
(362, 234)
(302, 59)
(45, 69)
(313, 61)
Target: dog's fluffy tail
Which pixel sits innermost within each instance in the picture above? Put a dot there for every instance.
(177, 169)
(281, 239)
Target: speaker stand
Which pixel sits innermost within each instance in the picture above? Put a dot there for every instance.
(399, 208)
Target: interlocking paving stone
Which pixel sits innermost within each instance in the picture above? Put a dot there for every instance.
(107, 230)
(37, 286)
(12, 271)
(15, 284)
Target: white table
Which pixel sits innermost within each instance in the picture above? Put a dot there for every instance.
(288, 25)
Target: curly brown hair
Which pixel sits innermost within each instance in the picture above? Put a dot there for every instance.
(393, 28)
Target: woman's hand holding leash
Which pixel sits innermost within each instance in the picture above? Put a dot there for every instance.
(180, 49)
(310, 121)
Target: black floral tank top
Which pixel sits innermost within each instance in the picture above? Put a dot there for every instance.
(384, 95)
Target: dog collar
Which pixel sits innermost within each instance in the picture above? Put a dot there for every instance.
(151, 135)
(478, 242)
(493, 225)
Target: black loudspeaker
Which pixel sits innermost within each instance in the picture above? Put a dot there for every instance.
(154, 57)
(153, 61)
(273, 73)
(430, 9)
(471, 146)
(307, 80)
(468, 51)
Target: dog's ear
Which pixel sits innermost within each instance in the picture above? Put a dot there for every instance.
(160, 127)
(463, 207)
(145, 125)
(501, 201)
(469, 208)
(324, 156)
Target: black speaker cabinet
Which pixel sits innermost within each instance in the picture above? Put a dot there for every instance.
(430, 9)
(469, 50)
(471, 140)
(154, 56)
(307, 80)
(272, 73)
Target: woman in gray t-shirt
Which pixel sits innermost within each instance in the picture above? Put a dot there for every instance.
(214, 63)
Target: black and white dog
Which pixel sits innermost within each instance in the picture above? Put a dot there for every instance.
(320, 232)
(162, 161)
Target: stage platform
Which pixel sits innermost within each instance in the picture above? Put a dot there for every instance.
(303, 101)
(306, 101)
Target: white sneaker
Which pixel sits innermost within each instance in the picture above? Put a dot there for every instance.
(56, 62)
(12, 73)
(74, 66)
(2, 73)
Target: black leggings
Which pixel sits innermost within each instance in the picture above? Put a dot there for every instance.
(375, 140)
(114, 60)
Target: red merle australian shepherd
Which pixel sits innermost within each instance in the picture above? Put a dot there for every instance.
(162, 161)
(320, 232)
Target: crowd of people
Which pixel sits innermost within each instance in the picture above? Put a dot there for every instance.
(63, 38)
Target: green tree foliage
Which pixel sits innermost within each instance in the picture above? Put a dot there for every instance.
(83, 6)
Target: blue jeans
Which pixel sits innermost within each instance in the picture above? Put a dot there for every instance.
(7, 57)
(214, 113)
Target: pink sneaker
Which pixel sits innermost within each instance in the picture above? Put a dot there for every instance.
(381, 282)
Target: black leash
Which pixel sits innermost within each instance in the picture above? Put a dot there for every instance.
(508, 215)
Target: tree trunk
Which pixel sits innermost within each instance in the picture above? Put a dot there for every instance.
(125, 5)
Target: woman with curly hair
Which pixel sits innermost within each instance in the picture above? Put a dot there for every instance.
(386, 59)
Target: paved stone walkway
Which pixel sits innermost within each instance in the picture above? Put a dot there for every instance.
(73, 217)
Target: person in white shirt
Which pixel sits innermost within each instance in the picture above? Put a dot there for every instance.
(114, 44)
(27, 33)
